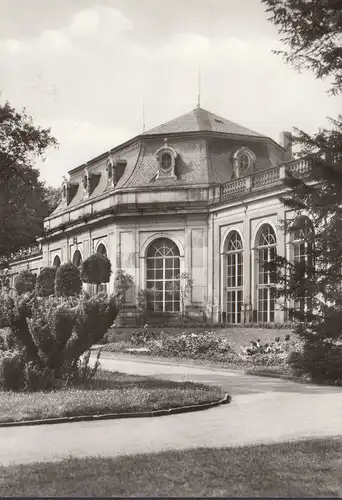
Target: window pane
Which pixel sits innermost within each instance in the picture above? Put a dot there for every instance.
(159, 274)
(150, 274)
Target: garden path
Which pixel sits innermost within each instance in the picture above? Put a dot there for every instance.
(263, 410)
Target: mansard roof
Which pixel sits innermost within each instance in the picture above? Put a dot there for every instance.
(201, 120)
(204, 142)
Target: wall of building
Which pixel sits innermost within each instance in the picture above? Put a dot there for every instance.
(247, 218)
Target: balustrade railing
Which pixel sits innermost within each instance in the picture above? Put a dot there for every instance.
(298, 168)
(263, 178)
(27, 252)
(233, 187)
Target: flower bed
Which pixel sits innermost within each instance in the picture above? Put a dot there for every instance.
(208, 346)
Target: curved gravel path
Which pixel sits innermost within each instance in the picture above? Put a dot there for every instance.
(263, 410)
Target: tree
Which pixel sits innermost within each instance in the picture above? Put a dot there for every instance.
(312, 30)
(96, 269)
(52, 198)
(310, 282)
(183, 287)
(23, 198)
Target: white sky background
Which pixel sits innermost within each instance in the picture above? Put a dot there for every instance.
(84, 67)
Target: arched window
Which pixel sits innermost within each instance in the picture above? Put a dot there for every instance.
(244, 160)
(302, 245)
(56, 262)
(101, 249)
(166, 162)
(77, 258)
(234, 278)
(162, 276)
(266, 252)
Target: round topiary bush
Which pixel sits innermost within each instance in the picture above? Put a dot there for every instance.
(25, 282)
(45, 285)
(68, 280)
(96, 269)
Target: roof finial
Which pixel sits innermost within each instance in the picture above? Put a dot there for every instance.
(199, 88)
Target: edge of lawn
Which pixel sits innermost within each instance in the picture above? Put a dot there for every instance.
(112, 416)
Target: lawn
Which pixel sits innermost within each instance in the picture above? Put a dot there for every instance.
(300, 469)
(108, 392)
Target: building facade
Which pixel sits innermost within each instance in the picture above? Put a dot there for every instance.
(199, 195)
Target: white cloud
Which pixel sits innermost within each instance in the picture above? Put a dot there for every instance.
(84, 23)
(79, 141)
(12, 46)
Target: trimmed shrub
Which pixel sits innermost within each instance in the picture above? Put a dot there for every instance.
(12, 366)
(52, 333)
(25, 282)
(319, 360)
(45, 285)
(96, 269)
(68, 281)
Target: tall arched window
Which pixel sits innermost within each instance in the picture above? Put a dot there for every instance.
(302, 245)
(56, 262)
(162, 276)
(77, 258)
(234, 278)
(103, 251)
(266, 252)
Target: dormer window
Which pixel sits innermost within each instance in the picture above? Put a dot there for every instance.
(244, 160)
(166, 162)
(166, 157)
(244, 163)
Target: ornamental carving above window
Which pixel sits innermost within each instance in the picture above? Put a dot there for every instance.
(111, 171)
(86, 182)
(166, 158)
(243, 162)
(65, 189)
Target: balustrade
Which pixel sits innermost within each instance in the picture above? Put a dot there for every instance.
(265, 177)
(298, 167)
(233, 187)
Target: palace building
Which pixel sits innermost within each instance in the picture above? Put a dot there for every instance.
(198, 194)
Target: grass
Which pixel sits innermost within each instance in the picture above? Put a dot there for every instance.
(300, 469)
(108, 393)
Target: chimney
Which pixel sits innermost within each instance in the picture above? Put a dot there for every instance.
(286, 142)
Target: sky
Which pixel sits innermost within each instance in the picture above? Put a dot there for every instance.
(85, 68)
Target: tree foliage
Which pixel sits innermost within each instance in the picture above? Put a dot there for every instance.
(310, 282)
(25, 282)
(24, 200)
(45, 284)
(68, 280)
(312, 31)
(96, 269)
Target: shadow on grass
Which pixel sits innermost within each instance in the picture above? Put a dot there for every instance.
(310, 468)
(117, 380)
